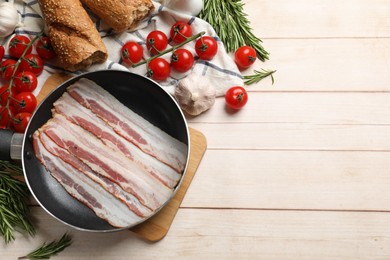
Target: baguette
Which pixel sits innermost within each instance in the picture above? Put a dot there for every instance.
(120, 15)
(72, 33)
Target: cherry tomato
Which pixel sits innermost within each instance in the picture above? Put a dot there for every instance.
(236, 97)
(245, 56)
(158, 69)
(182, 60)
(6, 116)
(132, 52)
(33, 63)
(1, 52)
(5, 93)
(44, 48)
(25, 102)
(206, 47)
(20, 121)
(156, 41)
(180, 31)
(25, 81)
(18, 45)
(7, 68)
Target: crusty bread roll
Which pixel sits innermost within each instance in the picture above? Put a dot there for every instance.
(72, 33)
(121, 15)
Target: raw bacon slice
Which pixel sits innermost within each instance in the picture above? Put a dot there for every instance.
(85, 190)
(130, 125)
(85, 118)
(131, 202)
(107, 162)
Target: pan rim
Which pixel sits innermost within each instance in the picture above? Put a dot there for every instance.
(68, 82)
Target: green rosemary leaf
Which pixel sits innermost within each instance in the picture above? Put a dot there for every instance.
(232, 25)
(10, 168)
(48, 250)
(259, 75)
(14, 212)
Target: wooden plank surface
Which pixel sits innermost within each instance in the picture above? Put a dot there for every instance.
(299, 136)
(302, 172)
(319, 18)
(310, 180)
(231, 234)
(335, 64)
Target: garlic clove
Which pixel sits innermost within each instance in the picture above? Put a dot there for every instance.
(9, 18)
(195, 94)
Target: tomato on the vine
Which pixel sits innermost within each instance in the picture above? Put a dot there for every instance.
(206, 47)
(25, 81)
(236, 97)
(6, 116)
(7, 68)
(25, 102)
(132, 52)
(33, 63)
(2, 51)
(180, 31)
(5, 93)
(158, 69)
(20, 121)
(44, 48)
(18, 45)
(245, 56)
(156, 42)
(182, 60)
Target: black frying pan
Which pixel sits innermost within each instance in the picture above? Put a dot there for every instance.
(140, 94)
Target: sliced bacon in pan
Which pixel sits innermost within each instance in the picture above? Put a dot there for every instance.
(84, 189)
(107, 162)
(85, 118)
(130, 125)
(131, 202)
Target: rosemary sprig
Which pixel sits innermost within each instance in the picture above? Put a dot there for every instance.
(232, 25)
(14, 212)
(259, 75)
(11, 168)
(45, 251)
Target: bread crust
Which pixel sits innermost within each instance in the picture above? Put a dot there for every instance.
(121, 15)
(72, 33)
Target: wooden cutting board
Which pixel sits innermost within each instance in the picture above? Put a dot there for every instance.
(155, 228)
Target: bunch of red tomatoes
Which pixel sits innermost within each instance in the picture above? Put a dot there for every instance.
(181, 59)
(20, 72)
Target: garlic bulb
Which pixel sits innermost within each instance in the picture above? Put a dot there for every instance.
(192, 7)
(9, 18)
(195, 94)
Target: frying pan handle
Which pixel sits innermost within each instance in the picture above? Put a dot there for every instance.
(10, 145)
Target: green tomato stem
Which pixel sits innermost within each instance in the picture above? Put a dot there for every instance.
(170, 49)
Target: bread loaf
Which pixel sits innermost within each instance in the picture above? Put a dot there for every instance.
(72, 33)
(121, 15)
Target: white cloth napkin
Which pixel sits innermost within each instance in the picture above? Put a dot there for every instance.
(221, 71)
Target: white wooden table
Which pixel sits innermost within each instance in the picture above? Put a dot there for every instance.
(303, 171)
